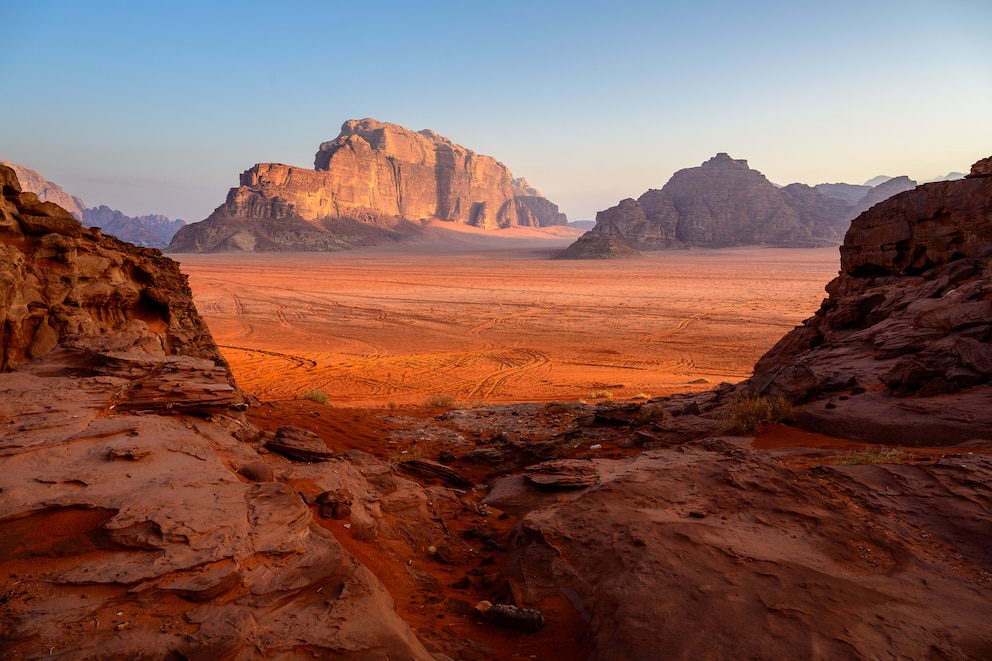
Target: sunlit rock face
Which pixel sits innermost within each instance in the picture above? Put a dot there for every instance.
(32, 181)
(133, 483)
(908, 322)
(63, 283)
(378, 174)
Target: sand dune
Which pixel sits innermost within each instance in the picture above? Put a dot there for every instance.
(490, 318)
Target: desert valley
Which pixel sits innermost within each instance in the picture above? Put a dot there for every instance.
(483, 323)
(397, 407)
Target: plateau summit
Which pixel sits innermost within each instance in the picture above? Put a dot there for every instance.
(376, 182)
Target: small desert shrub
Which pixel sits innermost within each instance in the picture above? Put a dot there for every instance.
(414, 452)
(601, 394)
(879, 455)
(752, 412)
(437, 399)
(985, 266)
(641, 395)
(557, 407)
(391, 405)
(648, 415)
(576, 441)
(316, 396)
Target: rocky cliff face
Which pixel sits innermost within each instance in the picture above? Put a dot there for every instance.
(908, 320)
(377, 174)
(66, 284)
(882, 192)
(724, 203)
(33, 181)
(133, 523)
(152, 231)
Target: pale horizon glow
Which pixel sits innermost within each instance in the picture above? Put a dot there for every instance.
(157, 109)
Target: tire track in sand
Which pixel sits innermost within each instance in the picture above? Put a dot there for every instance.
(514, 364)
(297, 361)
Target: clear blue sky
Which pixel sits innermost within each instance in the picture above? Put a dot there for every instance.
(157, 107)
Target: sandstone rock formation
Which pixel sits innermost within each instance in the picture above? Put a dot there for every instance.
(142, 516)
(724, 203)
(133, 523)
(152, 231)
(676, 554)
(32, 181)
(882, 192)
(366, 187)
(908, 319)
(670, 549)
(64, 284)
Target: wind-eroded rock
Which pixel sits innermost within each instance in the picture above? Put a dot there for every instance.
(908, 319)
(66, 284)
(711, 551)
(133, 524)
(378, 176)
(33, 181)
(153, 231)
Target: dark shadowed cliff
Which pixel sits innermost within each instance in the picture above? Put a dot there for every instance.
(908, 322)
(725, 203)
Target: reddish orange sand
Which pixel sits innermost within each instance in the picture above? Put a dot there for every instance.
(481, 321)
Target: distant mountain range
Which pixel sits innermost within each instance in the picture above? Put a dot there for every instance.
(722, 203)
(376, 182)
(153, 231)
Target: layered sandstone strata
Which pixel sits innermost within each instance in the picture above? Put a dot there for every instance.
(379, 175)
(33, 181)
(133, 485)
(67, 284)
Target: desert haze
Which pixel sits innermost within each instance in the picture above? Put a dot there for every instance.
(489, 318)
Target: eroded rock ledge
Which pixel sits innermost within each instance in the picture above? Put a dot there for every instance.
(907, 322)
(137, 519)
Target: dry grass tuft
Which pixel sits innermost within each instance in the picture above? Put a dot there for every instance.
(880, 455)
(649, 415)
(752, 412)
(436, 399)
(316, 396)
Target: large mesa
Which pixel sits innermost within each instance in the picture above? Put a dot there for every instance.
(375, 182)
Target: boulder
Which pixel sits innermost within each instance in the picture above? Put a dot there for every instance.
(299, 444)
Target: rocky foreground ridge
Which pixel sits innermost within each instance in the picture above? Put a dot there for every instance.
(375, 182)
(725, 203)
(152, 231)
(143, 518)
(133, 524)
(907, 323)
